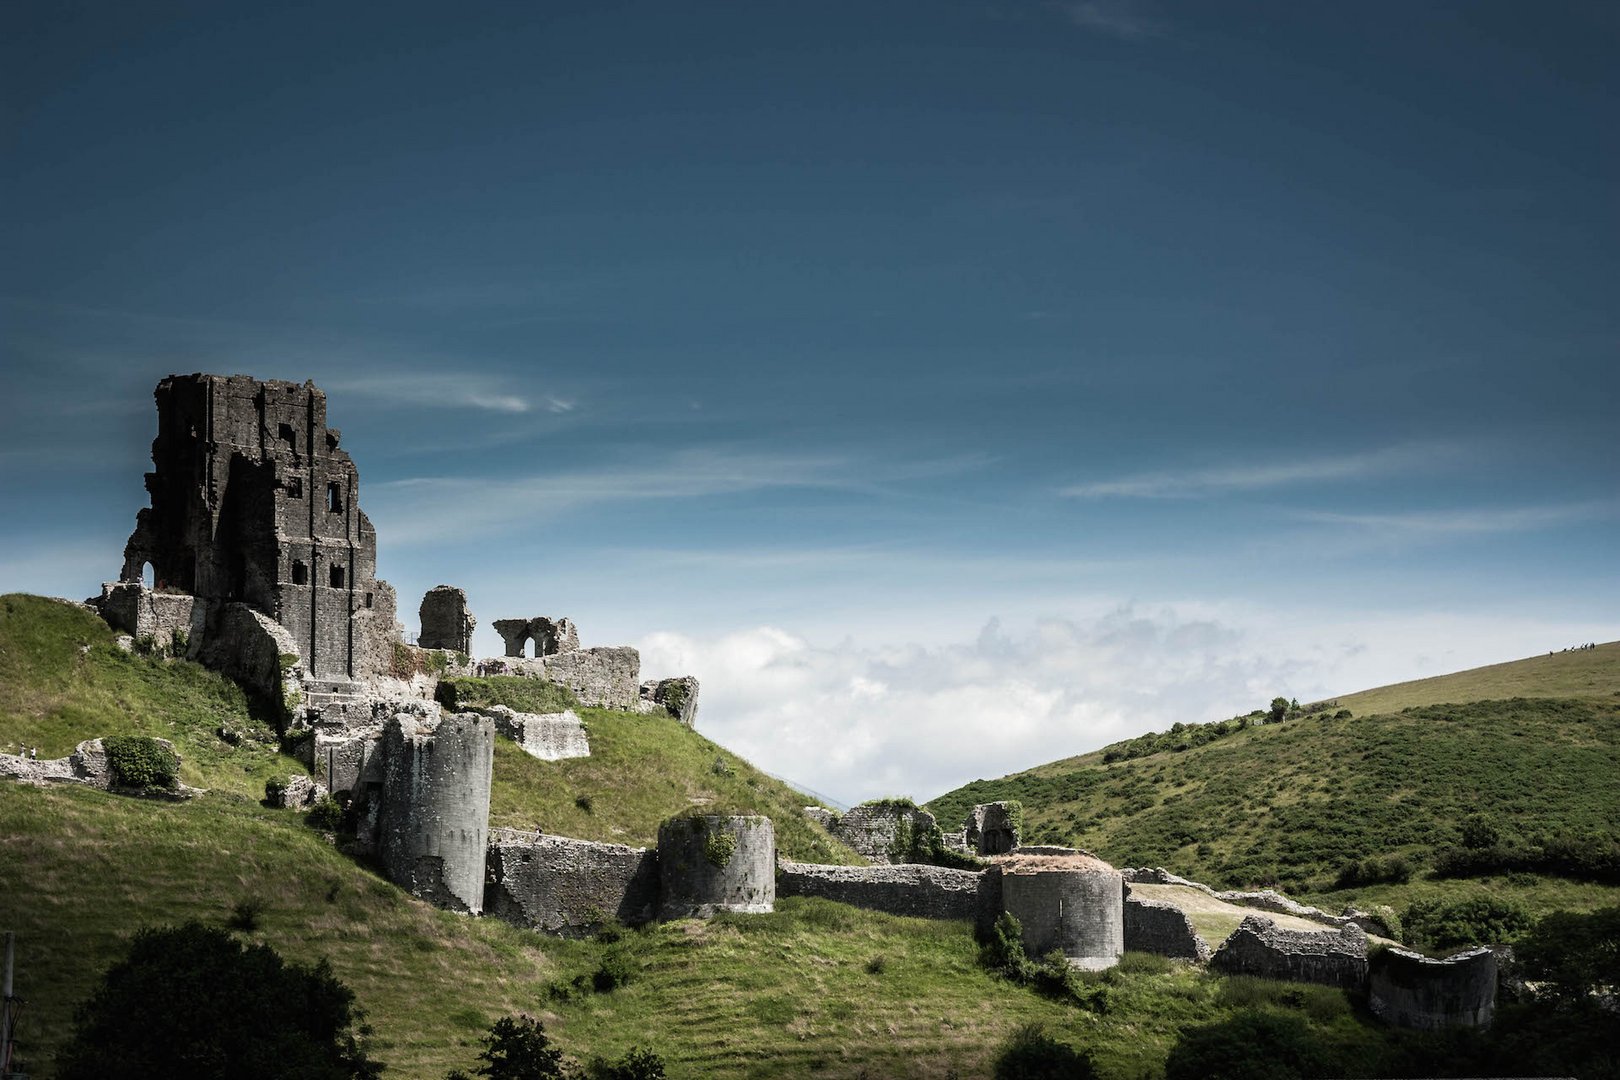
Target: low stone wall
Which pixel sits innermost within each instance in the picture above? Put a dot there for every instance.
(930, 892)
(547, 736)
(1413, 991)
(86, 765)
(568, 887)
(1259, 947)
(1154, 926)
(174, 622)
(608, 678)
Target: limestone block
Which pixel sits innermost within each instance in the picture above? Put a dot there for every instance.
(568, 887)
(547, 736)
(1259, 947)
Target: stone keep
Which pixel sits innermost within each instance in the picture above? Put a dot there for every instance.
(254, 503)
(446, 622)
(432, 828)
(1073, 903)
(713, 863)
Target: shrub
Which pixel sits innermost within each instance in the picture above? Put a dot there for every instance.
(638, 1064)
(1032, 1054)
(1574, 955)
(138, 761)
(1250, 1046)
(189, 1001)
(1433, 924)
(245, 914)
(877, 965)
(275, 791)
(617, 969)
(718, 847)
(517, 1048)
(326, 815)
(585, 803)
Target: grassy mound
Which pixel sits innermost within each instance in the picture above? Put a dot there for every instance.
(815, 989)
(1293, 803)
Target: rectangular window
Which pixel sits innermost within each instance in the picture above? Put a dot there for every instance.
(289, 437)
(300, 573)
(337, 577)
(334, 498)
(295, 487)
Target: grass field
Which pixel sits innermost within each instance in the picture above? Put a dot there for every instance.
(1584, 673)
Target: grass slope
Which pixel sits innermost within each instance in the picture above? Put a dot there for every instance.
(816, 989)
(1584, 673)
(1293, 802)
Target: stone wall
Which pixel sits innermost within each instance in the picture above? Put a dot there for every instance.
(1153, 926)
(1413, 991)
(1072, 903)
(930, 892)
(1259, 947)
(547, 736)
(446, 622)
(86, 765)
(568, 887)
(881, 832)
(548, 635)
(248, 646)
(991, 829)
(174, 622)
(678, 697)
(433, 820)
(608, 678)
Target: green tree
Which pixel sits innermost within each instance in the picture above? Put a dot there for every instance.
(1252, 1045)
(1574, 955)
(517, 1048)
(1279, 710)
(192, 1002)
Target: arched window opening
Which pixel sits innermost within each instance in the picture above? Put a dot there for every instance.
(147, 579)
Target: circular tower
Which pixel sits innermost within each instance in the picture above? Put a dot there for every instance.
(710, 863)
(1074, 903)
(434, 820)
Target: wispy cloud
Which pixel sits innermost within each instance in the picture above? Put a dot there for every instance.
(1472, 520)
(1118, 18)
(1257, 476)
(446, 391)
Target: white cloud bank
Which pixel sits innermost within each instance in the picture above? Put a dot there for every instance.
(860, 721)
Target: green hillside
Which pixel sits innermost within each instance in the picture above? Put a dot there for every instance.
(1296, 803)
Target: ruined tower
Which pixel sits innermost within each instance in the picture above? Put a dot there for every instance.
(254, 503)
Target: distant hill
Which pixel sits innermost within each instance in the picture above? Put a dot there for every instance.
(1246, 802)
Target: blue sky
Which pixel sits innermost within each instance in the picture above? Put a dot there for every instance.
(951, 386)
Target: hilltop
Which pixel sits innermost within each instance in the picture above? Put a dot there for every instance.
(1297, 803)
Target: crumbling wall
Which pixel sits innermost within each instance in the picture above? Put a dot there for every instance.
(1154, 926)
(86, 765)
(549, 636)
(432, 825)
(547, 736)
(172, 621)
(568, 887)
(609, 678)
(678, 697)
(930, 892)
(992, 829)
(1414, 991)
(249, 646)
(446, 622)
(882, 832)
(1259, 947)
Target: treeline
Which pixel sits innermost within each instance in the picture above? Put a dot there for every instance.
(1183, 737)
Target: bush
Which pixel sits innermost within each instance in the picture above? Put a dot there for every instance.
(189, 1001)
(245, 914)
(137, 761)
(517, 1048)
(1250, 1046)
(617, 969)
(638, 1064)
(326, 815)
(1432, 924)
(1032, 1054)
(1574, 955)
(1395, 869)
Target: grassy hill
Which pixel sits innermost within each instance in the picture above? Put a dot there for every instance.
(1295, 802)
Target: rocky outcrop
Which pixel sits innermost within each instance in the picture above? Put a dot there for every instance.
(86, 765)
(1259, 947)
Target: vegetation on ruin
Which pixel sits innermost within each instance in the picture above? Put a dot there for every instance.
(516, 692)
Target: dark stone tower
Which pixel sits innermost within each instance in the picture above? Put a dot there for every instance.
(253, 502)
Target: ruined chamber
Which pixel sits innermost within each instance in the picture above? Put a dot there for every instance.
(253, 503)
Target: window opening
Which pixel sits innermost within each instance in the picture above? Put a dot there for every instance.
(334, 498)
(288, 436)
(300, 573)
(295, 487)
(336, 576)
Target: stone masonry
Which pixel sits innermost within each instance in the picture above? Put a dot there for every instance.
(1259, 947)
(446, 622)
(549, 636)
(1154, 926)
(930, 892)
(568, 887)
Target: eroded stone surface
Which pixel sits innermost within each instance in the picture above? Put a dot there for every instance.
(1260, 947)
(446, 622)
(677, 696)
(1154, 926)
(608, 678)
(547, 736)
(568, 887)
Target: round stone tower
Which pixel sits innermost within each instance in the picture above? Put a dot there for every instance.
(433, 825)
(1072, 902)
(714, 863)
